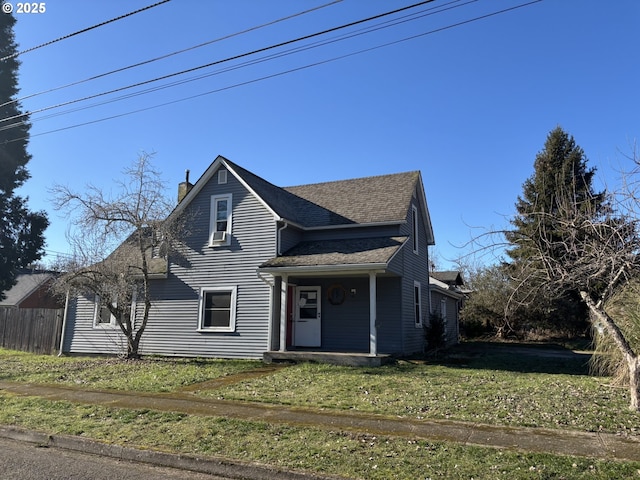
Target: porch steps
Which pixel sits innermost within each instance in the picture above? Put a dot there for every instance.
(333, 358)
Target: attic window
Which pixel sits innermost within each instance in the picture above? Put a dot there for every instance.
(222, 177)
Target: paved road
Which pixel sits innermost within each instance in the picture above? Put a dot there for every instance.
(27, 461)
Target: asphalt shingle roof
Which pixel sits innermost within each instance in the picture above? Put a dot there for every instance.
(384, 198)
(450, 277)
(26, 283)
(358, 251)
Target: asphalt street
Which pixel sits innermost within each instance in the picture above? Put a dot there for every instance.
(28, 461)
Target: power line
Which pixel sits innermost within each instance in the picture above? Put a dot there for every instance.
(217, 62)
(84, 30)
(162, 57)
(362, 31)
(304, 67)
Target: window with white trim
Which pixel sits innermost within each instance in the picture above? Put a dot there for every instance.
(102, 316)
(220, 223)
(217, 310)
(417, 303)
(414, 228)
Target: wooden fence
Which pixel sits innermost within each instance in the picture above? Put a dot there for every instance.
(35, 330)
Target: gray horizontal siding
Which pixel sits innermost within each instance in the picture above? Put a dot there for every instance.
(389, 315)
(451, 320)
(83, 337)
(415, 268)
(289, 238)
(173, 318)
(345, 327)
(348, 233)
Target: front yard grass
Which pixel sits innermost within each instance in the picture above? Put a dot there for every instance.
(152, 374)
(347, 454)
(496, 389)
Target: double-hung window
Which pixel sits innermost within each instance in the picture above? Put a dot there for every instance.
(414, 228)
(220, 222)
(102, 316)
(217, 310)
(417, 304)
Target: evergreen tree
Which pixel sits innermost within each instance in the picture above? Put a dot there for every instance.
(560, 172)
(561, 184)
(21, 231)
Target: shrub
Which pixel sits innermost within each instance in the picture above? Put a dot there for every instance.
(435, 333)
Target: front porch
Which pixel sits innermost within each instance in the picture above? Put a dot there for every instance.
(333, 358)
(336, 301)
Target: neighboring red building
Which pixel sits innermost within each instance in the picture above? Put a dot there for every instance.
(32, 290)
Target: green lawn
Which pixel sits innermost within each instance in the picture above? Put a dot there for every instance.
(497, 388)
(153, 374)
(492, 396)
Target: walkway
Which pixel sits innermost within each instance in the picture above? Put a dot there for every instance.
(563, 442)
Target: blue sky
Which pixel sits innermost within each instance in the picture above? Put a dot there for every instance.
(469, 106)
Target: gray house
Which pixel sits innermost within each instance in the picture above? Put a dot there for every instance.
(323, 269)
(447, 299)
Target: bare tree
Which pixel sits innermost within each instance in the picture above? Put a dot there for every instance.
(120, 243)
(592, 252)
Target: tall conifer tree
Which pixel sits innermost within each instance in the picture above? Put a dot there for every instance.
(21, 231)
(560, 172)
(560, 175)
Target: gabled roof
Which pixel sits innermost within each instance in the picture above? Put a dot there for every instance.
(288, 205)
(444, 289)
(368, 200)
(450, 277)
(26, 284)
(379, 199)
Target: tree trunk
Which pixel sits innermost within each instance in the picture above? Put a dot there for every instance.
(632, 359)
(132, 347)
(634, 382)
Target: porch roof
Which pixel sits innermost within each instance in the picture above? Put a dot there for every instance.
(374, 252)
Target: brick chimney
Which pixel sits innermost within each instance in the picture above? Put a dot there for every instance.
(184, 187)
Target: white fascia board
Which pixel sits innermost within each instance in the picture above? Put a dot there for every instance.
(246, 185)
(343, 269)
(426, 216)
(200, 183)
(397, 251)
(444, 290)
(204, 179)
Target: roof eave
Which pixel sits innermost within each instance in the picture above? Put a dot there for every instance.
(314, 269)
(357, 225)
(204, 179)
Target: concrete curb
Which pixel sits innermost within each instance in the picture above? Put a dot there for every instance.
(208, 465)
(561, 442)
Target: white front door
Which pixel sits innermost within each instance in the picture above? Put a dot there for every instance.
(307, 320)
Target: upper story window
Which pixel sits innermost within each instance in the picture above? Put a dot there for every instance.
(220, 223)
(414, 228)
(417, 304)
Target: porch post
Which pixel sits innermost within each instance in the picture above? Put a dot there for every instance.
(373, 335)
(283, 312)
